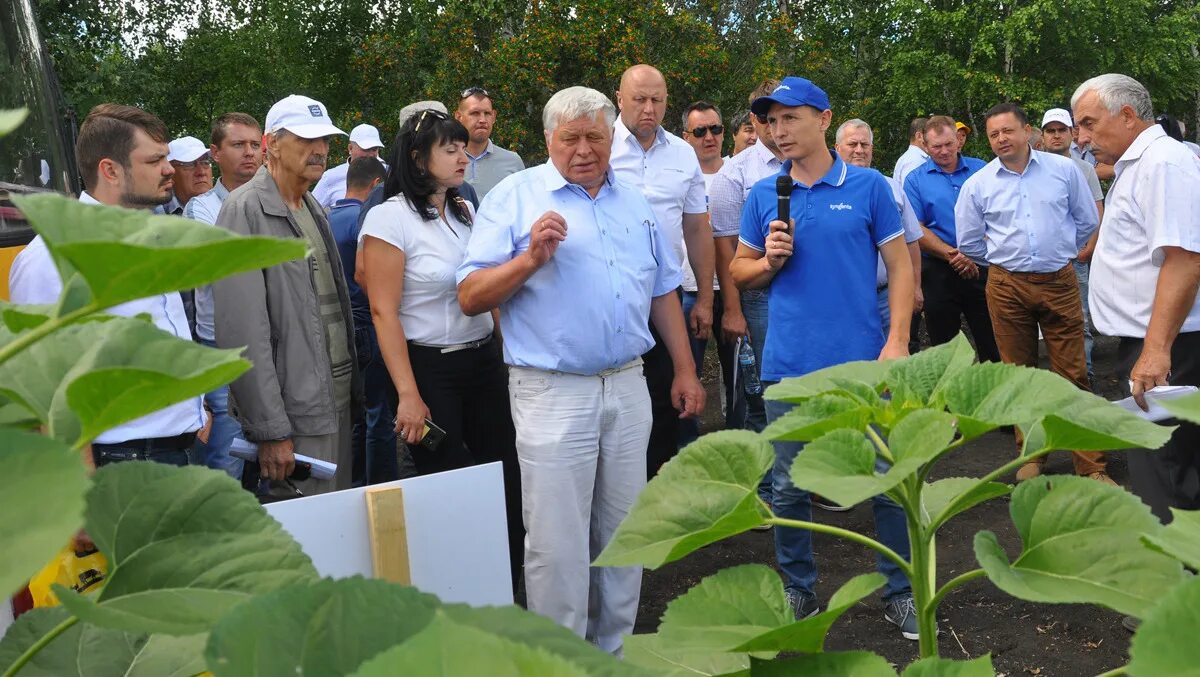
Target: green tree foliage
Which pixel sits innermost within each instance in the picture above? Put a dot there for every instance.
(191, 60)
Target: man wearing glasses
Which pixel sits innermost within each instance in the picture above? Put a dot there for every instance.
(703, 130)
(193, 171)
(489, 163)
(664, 168)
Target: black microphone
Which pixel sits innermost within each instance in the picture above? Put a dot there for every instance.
(783, 192)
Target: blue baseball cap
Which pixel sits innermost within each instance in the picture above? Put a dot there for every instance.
(792, 92)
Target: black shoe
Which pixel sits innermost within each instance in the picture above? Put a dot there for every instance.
(832, 506)
(803, 604)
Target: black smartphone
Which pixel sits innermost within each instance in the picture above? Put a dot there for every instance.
(432, 436)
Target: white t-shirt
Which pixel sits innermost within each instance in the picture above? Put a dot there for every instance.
(433, 250)
(689, 275)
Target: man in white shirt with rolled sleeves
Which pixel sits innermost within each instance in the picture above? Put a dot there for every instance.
(1146, 270)
(122, 155)
(665, 169)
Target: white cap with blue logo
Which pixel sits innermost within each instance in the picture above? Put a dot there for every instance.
(302, 116)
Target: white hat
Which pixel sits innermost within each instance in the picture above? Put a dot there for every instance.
(186, 149)
(414, 108)
(366, 136)
(302, 116)
(1057, 115)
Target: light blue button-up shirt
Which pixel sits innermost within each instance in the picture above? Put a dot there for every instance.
(1032, 222)
(588, 308)
(204, 208)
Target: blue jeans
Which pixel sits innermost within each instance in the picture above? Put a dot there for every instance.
(1083, 272)
(215, 454)
(885, 312)
(735, 398)
(754, 308)
(793, 547)
(374, 441)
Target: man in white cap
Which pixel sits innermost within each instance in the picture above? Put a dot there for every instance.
(193, 171)
(293, 319)
(364, 142)
(489, 163)
(1057, 139)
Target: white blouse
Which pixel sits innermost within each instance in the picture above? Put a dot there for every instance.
(429, 310)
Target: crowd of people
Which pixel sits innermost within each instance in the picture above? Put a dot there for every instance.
(457, 308)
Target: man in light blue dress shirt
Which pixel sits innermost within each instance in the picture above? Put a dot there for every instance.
(237, 149)
(1028, 213)
(577, 264)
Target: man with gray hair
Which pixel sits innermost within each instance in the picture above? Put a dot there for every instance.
(854, 141)
(1146, 270)
(577, 264)
(294, 318)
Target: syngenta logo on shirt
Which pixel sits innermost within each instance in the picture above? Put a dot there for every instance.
(840, 206)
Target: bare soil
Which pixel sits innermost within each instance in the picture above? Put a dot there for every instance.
(1024, 638)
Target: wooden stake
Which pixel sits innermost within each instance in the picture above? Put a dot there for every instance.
(389, 537)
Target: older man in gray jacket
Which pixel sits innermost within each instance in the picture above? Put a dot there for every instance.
(294, 318)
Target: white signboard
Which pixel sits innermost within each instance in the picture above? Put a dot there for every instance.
(455, 521)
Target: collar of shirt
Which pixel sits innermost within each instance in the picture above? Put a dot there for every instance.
(764, 154)
(486, 151)
(932, 166)
(1134, 152)
(920, 151)
(1033, 159)
(553, 180)
(835, 177)
(622, 133)
(347, 202)
(87, 199)
(219, 190)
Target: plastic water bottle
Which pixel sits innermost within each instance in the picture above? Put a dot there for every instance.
(750, 381)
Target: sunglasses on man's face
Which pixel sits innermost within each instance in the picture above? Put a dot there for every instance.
(702, 131)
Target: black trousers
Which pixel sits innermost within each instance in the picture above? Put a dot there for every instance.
(1168, 477)
(467, 395)
(948, 298)
(664, 431)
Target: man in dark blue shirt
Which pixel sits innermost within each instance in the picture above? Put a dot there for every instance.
(375, 453)
(952, 282)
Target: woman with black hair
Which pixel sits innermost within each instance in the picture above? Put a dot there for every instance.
(447, 367)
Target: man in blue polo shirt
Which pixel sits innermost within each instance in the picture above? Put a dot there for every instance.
(374, 439)
(953, 283)
(822, 305)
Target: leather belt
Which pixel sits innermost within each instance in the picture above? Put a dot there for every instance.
(152, 444)
(469, 345)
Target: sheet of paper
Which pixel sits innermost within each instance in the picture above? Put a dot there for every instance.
(1153, 397)
(248, 451)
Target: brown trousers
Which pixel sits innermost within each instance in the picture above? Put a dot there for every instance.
(1020, 303)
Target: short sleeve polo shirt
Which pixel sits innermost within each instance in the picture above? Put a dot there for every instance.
(934, 192)
(822, 304)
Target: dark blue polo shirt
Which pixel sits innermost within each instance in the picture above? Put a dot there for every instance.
(822, 306)
(343, 221)
(933, 193)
